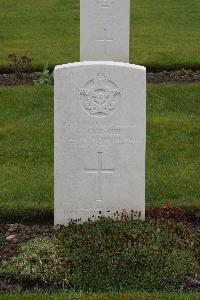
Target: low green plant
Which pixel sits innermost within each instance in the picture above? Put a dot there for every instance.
(129, 255)
(2, 240)
(44, 77)
(100, 296)
(19, 64)
(107, 255)
(38, 263)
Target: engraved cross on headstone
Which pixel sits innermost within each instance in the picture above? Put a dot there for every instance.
(107, 23)
(105, 40)
(99, 171)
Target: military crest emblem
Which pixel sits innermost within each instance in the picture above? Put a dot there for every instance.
(100, 96)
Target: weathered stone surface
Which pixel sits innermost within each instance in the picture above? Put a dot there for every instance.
(100, 133)
(105, 30)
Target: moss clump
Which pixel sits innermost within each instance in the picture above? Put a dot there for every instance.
(38, 263)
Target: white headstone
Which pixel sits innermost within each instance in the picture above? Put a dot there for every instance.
(100, 135)
(104, 30)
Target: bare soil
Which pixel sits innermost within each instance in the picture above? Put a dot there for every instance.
(176, 76)
(13, 80)
(12, 235)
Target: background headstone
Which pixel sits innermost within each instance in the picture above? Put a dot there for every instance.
(100, 134)
(104, 33)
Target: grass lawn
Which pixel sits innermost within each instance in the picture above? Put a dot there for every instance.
(26, 148)
(113, 296)
(164, 34)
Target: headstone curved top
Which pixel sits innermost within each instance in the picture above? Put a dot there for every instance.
(104, 33)
(100, 135)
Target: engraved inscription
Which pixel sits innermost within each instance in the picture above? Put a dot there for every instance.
(99, 171)
(105, 3)
(114, 212)
(100, 96)
(82, 136)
